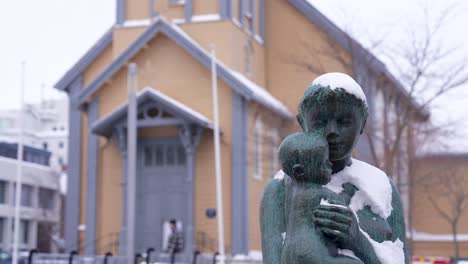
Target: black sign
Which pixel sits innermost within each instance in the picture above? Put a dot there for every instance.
(211, 213)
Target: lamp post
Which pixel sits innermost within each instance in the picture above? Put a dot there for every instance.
(219, 190)
(19, 169)
(131, 159)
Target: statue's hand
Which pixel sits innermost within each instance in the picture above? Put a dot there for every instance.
(337, 222)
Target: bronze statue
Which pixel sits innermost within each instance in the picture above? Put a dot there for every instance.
(353, 215)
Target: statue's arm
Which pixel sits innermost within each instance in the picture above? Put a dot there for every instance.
(397, 220)
(272, 222)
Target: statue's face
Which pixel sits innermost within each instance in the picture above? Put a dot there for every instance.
(341, 123)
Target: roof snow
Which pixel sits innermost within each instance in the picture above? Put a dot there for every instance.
(336, 80)
(199, 19)
(260, 94)
(137, 23)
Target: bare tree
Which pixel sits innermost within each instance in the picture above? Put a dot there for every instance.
(446, 191)
(427, 68)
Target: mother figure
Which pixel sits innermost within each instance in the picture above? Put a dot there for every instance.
(370, 226)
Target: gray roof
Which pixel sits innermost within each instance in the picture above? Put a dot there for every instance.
(105, 125)
(76, 70)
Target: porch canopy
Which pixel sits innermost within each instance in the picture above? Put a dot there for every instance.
(154, 109)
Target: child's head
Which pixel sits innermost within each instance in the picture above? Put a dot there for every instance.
(304, 156)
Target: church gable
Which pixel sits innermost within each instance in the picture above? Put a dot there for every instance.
(172, 36)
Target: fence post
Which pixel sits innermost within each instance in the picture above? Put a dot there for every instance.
(106, 257)
(31, 255)
(72, 254)
(148, 255)
(195, 256)
(137, 258)
(214, 257)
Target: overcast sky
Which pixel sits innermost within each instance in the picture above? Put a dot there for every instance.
(51, 35)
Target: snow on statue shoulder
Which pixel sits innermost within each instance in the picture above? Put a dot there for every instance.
(353, 215)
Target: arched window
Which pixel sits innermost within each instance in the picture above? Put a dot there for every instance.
(258, 140)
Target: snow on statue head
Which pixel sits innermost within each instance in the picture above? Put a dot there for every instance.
(338, 80)
(334, 100)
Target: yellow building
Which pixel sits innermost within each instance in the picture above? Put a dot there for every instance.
(440, 205)
(266, 51)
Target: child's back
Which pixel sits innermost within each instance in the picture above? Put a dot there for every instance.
(304, 158)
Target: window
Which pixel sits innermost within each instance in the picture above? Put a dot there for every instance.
(3, 192)
(274, 152)
(44, 145)
(180, 155)
(170, 155)
(24, 232)
(26, 195)
(159, 155)
(148, 156)
(61, 144)
(258, 148)
(163, 155)
(46, 198)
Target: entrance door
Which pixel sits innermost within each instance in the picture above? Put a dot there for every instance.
(161, 191)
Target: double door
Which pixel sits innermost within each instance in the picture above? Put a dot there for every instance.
(161, 191)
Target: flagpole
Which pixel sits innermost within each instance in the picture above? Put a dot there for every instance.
(219, 190)
(131, 159)
(19, 169)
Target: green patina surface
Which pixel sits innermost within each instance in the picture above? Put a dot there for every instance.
(332, 121)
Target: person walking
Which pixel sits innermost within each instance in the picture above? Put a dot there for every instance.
(175, 242)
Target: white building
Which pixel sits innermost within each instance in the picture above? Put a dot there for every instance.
(44, 179)
(40, 199)
(46, 127)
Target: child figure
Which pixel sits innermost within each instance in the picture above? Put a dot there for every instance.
(304, 157)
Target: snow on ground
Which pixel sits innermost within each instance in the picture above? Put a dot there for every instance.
(423, 236)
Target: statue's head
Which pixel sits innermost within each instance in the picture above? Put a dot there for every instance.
(304, 157)
(334, 105)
